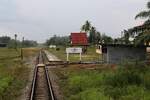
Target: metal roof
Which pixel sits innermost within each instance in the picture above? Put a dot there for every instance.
(123, 45)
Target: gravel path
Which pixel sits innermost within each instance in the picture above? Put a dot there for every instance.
(51, 57)
(53, 77)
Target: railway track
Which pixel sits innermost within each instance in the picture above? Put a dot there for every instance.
(41, 86)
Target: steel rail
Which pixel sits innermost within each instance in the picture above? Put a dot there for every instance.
(33, 84)
(48, 82)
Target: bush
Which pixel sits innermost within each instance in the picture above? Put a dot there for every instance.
(123, 78)
(90, 94)
(84, 80)
(116, 84)
(134, 93)
(147, 81)
(123, 83)
(4, 83)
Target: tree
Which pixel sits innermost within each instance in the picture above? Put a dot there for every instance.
(92, 35)
(57, 40)
(5, 39)
(86, 27)
(15, 41)
(29, 43)
(106, 39)
(144, 35)
(126, 37)
(143, 38)
(145, 13)
(98, 38)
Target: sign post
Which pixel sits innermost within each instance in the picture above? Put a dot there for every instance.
(80, 57)
(74, 51)
(67, 56)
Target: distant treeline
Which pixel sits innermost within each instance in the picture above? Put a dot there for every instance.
(11, 43)
(94, 37)
(58, 40)
(65, 40)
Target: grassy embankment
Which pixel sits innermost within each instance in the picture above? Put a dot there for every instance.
(128, 82)
(122, 82)
(91, 55)
(13, 73)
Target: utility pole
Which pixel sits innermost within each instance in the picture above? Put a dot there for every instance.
(16, 41)
(22, 48)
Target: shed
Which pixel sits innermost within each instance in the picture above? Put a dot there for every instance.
(79, 39)
(118, 53)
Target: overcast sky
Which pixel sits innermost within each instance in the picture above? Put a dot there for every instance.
(41, 19)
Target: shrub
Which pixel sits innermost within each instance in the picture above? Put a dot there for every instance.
(90, 94)
(147, 81)
(4, 83)
(116, 84)
(123, 78)
(79, 82)
(134, 93)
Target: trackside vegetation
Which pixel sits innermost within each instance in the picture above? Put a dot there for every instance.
(91, 54)
(123, 82)
(14, 73)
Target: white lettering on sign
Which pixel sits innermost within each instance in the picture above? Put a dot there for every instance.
(73, 50)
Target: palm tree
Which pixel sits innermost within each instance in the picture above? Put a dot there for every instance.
(144, 35)
(92, 35)
(126, 37)
(98, 37)
(86, 27)
(145, 13)
(143, 38)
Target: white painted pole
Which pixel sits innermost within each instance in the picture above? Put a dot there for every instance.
(80, 57)
(67, 56)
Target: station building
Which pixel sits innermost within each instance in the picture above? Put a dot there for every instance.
(118, 53)
(79, 40)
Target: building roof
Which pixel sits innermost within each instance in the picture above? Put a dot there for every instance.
(79, 39)
(140, 28)
(123, 45)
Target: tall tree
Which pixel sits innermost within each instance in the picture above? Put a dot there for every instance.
(57, 40)
(98, 38)
(106, 39)
(144, 35)
(5, 39)
(92, 35)
(86, 27)
(15, 41)
(126, 37)
(145, 13)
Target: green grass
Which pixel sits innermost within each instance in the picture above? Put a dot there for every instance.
(81, 84)
(91, 54)
(13, 74)
(122, 83)
(8, 53)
